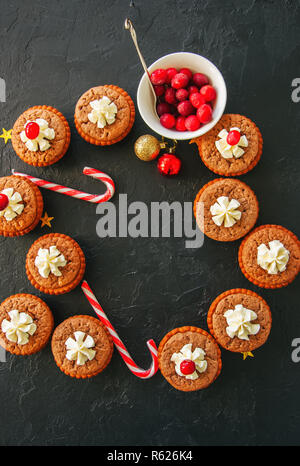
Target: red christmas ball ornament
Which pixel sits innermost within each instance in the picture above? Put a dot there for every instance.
(4, 201)
(169, 164)
(233, 137)
(32, 130)
(187, 367)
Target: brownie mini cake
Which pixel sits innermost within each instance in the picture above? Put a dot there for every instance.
(233, 147)
(240, 320)
(21, 206)
(104, 115)
(270, 256)
(82, 346)
(26, 323)
(189, 358)
(41, 136)
(226, 209)
(55, 264)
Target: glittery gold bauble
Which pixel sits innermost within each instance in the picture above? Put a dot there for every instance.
(147, 147)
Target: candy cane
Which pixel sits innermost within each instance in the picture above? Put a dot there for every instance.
(136, 370)
(96, 199)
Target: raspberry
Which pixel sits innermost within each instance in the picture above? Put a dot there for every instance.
(163, 107)
(159, 90)
(192, 123)
(200, 79)
(185, 108)
(170, 96)
(167, 120)
(159, 76)
(180, 80)
(233, 137)
(180, 124)
(187, 367)
(186, 71)
(192, 89)
(204, 113)
(182, 94)
(170, 74)
(208, 92)
(197, 99)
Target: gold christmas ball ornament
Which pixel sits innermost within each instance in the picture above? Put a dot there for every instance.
(147, 147)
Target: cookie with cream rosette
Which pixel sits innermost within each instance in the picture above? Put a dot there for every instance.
(21, 206)
(55, 264)
(104, 115)
(240, 320)
(41, 136)
(226, 209)
(189, 358)
(270, 256)
(26, 324)
(82, 346)
(232, 147)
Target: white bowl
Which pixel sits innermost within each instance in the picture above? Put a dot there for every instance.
(197, 64)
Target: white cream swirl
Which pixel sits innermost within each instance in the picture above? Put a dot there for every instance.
(103, 112)
(239, 321)
(274, 258)
(14, 207)
(225, 211)
(226, 150)
(80, 349)
(41, 142)
(186, 353)
(49, 260)
(19, 328)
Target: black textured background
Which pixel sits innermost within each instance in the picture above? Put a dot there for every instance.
(50, 53)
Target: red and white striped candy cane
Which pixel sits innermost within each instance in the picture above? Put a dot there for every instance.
(96, 199)
(136, 370)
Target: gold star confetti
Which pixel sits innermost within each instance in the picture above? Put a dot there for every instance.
(246, 354)
(6, 135)
(46, 220)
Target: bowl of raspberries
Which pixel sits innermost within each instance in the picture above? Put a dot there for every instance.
(190, 96)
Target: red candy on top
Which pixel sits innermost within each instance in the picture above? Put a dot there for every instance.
(187, 367)
(32, 130)
(185, 100)
(233, 137)
(4, 201)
